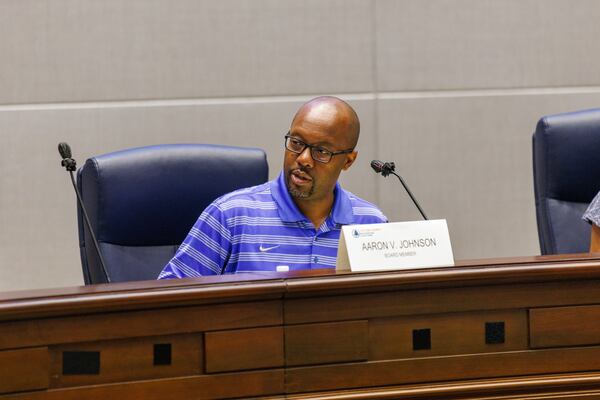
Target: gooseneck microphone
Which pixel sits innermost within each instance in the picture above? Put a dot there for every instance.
(71, 165)
(388, 168)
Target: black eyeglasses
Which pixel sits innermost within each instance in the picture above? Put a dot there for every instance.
(317, 153)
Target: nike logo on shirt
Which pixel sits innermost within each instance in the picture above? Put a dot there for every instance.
(261, 248)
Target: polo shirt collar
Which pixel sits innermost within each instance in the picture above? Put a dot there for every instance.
(288, 211)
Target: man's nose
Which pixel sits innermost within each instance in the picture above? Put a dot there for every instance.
(305, 158)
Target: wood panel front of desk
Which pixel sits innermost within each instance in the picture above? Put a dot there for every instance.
(501, 329)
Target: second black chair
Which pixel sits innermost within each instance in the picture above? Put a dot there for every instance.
(566, 171)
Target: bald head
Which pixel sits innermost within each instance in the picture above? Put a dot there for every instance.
(336, 113)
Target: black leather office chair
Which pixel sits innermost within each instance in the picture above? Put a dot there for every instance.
(143, 201)
(566, 172)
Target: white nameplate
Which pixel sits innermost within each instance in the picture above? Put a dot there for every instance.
(395, 245)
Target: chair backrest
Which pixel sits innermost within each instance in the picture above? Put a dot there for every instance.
(143, 201)
(566, 172)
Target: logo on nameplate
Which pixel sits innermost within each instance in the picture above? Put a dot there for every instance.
(397, 245)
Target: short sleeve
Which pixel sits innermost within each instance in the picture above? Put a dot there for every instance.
(205, 250)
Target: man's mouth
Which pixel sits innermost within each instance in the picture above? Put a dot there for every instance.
(299, 177)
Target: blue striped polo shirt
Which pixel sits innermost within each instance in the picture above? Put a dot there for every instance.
(260, 228)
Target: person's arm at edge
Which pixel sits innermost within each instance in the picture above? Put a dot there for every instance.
(592, 216)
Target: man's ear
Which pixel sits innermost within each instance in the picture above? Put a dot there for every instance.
(350, 157)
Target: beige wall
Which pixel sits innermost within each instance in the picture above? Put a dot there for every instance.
(448, 89)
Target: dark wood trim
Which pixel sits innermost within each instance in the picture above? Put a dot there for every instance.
(246, 287)
(515, 388)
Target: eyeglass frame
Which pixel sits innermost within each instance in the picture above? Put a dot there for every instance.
(311, 147)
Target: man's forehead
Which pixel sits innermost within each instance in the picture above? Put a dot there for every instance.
(320, 112)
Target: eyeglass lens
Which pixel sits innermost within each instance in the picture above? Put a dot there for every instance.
(318, 153)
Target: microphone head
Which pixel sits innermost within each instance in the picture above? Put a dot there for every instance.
(64, 149)
(377, 166)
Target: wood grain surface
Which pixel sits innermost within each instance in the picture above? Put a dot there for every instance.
(131, 359)
(24, 369)
(565, 326)
(243, 349)
(326, 343)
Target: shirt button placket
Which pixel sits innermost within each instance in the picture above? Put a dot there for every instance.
(315, 259)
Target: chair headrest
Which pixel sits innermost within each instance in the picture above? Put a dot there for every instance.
(152, 195)
(568, 145)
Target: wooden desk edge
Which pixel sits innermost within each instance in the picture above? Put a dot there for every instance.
(244, 287)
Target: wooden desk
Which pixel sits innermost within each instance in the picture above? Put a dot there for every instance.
(502, 328)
